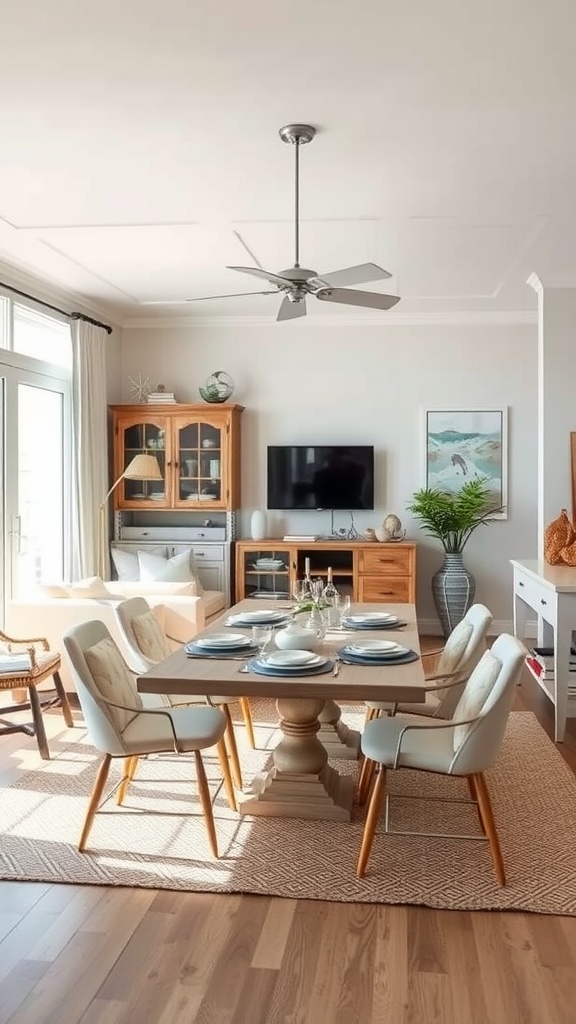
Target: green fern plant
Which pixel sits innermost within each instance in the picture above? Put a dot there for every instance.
(452, 518)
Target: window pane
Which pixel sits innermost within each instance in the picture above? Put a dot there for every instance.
(4, 315)
(40, 487)
(41, 336)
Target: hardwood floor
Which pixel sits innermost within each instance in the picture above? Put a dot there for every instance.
(88, 955)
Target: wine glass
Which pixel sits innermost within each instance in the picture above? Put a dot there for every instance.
(301, 591)
(262, 636)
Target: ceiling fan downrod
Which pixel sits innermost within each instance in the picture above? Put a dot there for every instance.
(298, 135)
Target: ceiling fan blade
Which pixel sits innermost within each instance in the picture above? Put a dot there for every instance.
(351, 297)
(290, 310)
(202, 298)
(263, 274)
(352, 275)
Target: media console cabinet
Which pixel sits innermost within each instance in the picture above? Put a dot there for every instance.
(368, 570)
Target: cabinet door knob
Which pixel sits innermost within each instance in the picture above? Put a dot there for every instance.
(520, 584)
(542, 601)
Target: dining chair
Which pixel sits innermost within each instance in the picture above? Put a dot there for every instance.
(119, 725)
(456, 659)
(464, 746)
(25, 664)
(148, 645)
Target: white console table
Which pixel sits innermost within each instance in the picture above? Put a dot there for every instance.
(550, 591)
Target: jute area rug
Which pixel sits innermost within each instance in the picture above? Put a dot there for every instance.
(157, 838)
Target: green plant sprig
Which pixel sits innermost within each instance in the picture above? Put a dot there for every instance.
(452, 518)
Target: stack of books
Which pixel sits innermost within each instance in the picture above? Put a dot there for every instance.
(298, 537)
(541, 662)
(164, 397)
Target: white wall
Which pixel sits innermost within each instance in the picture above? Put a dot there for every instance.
(306, 383)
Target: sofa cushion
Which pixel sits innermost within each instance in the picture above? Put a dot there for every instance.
(177, 569)
(113, 680)
(214, 601)
(53, 589)
(92, 586)
(126, 562)
(120, 589)
(150, 638)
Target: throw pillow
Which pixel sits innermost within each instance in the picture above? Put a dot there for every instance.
(126, 562)
(113, 681)
(92, 587)
(150, 638)
(174, 570)
(53, 589)
(476, 693)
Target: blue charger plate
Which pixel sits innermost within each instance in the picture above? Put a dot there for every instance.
(196, 651)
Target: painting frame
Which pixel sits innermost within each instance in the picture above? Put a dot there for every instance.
(467, 444)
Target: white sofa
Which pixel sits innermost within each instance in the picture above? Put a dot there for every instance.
(180, 611)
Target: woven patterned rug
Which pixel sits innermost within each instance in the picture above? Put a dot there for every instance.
(157, 838)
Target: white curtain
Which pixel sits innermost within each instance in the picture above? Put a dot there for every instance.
(90, 447)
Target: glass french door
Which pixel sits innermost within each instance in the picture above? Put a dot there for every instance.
(35, 480)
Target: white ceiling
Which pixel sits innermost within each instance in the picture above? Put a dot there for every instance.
(139, 149)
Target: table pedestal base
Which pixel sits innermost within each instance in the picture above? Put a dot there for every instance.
(336, 737)
(301, 784)
(282, 794)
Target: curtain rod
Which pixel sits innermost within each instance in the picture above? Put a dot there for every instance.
(71, 316)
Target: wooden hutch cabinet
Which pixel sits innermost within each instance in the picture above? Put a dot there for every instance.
(198, 450)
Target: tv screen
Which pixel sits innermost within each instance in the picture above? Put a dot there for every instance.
(321, 477)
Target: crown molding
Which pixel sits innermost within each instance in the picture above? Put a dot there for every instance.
(461, 318)
(47, 291)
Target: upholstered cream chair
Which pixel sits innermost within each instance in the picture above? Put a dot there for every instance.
(460, 654)
(147, 645)
(120, 726)
(466, 745)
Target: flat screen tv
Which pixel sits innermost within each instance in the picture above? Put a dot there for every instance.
(320, 477)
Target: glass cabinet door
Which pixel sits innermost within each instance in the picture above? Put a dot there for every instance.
(144, 437)
(266, 573)
(201, 458)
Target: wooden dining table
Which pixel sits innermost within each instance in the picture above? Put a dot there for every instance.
(301, 782)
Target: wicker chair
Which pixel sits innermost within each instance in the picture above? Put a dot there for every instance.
(43, 664)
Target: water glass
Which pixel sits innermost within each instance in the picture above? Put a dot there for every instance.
(262, 636)
(342, 605)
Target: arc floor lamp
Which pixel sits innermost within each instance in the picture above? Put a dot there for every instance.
(141, 467)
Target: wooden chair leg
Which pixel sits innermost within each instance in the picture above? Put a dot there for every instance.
(473, 790)
(374, 809)
(246, 712)
(366, 776)
(230, 738)
(485, 808)
(126, 778)
(39, 729)
(225, 768)
(133, 766)
(99, 784)
(206, 802)
(370, 714)
(63, 700)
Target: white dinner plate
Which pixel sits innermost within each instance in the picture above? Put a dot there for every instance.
(374, 646)
(223, 640)
(377, 655)
(296, 666)
(269, 563)
(294, 657)
(372, 617)
(263, 617)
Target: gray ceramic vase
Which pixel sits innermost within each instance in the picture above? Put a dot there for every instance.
(453, 589)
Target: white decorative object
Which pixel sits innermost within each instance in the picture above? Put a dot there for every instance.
(140, 388)
(296, 638)
(219, 386)
(258, 525)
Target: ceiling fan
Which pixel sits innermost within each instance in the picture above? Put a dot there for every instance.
(297, 282)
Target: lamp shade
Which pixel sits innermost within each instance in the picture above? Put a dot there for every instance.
(143, 467)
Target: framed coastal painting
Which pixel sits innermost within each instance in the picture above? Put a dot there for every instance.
(468, 444)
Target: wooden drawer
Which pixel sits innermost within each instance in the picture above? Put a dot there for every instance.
(388, 589)
(385, 560)
(538, 596)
